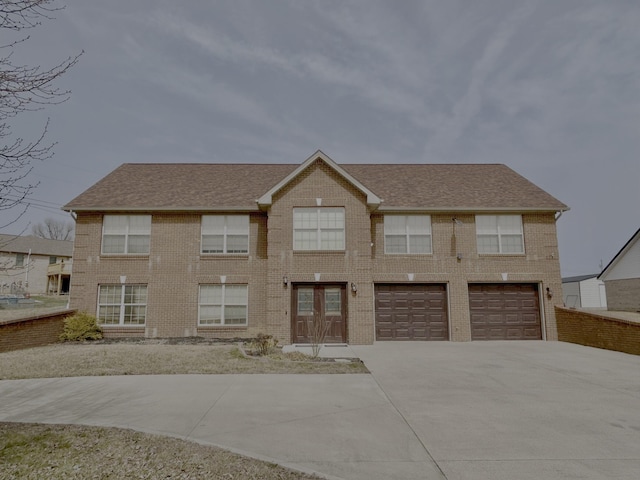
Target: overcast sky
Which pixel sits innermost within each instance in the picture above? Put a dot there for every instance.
(550, 88)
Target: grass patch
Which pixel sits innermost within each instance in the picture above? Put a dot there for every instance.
(57, 452)
(95, 359)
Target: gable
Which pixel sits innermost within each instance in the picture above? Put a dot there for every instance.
(319, 158)
(626, 263)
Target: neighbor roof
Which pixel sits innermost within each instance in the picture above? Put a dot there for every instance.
(37, 245)
(202, 187)
(579, 278)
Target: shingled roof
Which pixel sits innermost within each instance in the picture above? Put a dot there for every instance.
(35, 245)
(202, 187)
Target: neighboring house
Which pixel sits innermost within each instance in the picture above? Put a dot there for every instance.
(622, 277)
(34, 265)
(381, 251)
(584, 291)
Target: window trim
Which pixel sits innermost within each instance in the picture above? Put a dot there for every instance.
(319, 230)
(224, 234)
(407, 234)
(127, 234)
(222, 305)
(122, 305)
(500, 234)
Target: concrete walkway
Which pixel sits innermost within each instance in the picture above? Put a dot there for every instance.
(494, 410)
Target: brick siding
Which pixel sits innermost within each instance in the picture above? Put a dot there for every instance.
(593, 330)
(33, 331)
(174, 268)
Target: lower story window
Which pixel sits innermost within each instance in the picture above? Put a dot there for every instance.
(122, 304)
(223, 305)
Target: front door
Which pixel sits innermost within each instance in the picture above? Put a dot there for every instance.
(318, 309)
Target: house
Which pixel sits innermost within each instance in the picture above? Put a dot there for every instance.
(584, 291)
(381, 251)
(622, 277)
(34, 265)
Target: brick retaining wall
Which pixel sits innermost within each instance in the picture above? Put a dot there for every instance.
(593, 330)
(33, 331)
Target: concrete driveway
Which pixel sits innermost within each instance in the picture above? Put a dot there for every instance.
(481, 410)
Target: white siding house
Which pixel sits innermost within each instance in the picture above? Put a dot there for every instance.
(585, 291)
(622, 277)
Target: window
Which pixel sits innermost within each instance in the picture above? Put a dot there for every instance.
(19, 259)
(305, 301)
(499, 234)
(128, 234)
(407, 234)
(318, 229)
(122, 305)
(332, 301)
(223, 305)
(225, 234)
(53, 260)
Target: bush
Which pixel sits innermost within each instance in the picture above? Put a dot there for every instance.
(80, 327)
(263, 344)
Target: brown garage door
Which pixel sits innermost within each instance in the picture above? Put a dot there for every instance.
(505, 312)
(411, 312)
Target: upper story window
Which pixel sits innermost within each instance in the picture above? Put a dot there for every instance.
(499, 234)
(53, 260)
(409, 234)
(126, 234)
(318, 228)
(225, 234)
(19, 259)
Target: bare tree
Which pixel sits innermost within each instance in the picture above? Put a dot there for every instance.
(24, 88)
(317, 327)
(54, 229)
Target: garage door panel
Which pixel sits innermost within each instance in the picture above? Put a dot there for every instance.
(504, 312)
(411, 312)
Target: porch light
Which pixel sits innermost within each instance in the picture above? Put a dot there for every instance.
(285, 281)
(354, 287)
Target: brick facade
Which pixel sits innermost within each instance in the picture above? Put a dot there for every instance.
(174, 268)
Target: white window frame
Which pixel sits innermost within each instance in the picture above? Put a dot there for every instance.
(222, 305)
(504, 227)
(314, 228)
(227, 230)
(128, 231)
(122, 305)
(408, 232)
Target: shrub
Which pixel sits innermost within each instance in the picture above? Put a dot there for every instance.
(79, 327)
(263, 344)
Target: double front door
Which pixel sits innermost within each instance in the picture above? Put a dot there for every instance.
(318, 309)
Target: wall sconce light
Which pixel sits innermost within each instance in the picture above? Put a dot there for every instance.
(549, 293)
(285, 281)
(354, 287)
